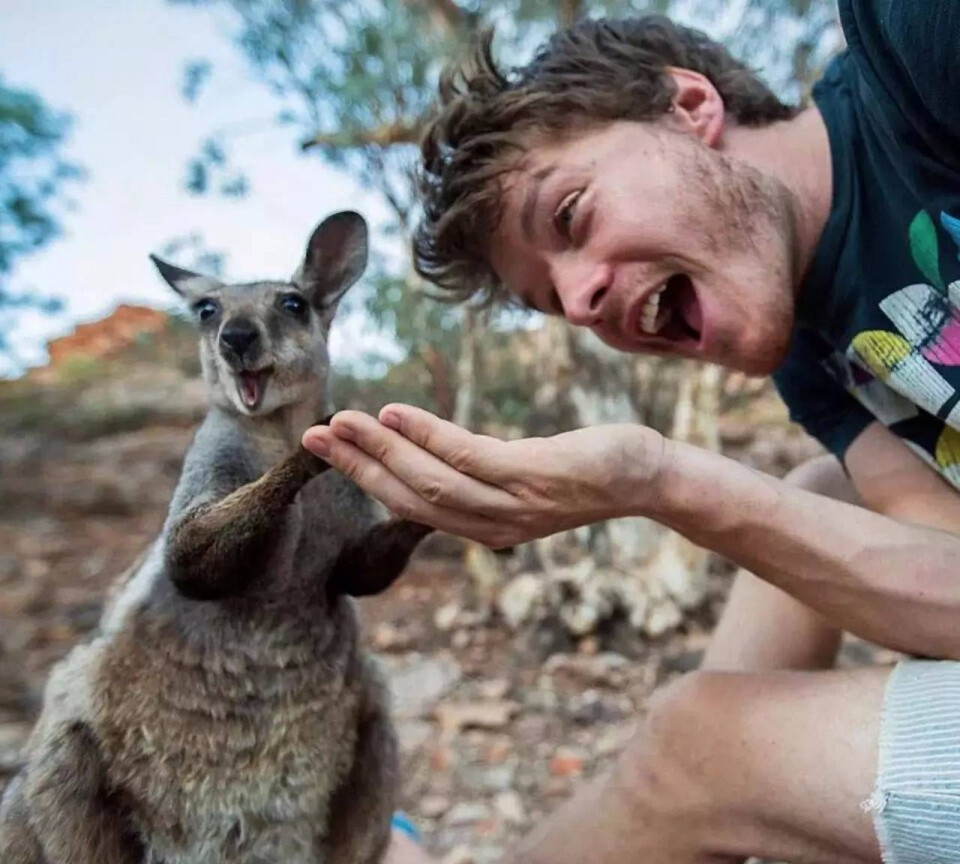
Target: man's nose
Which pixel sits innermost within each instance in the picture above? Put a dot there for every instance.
(583, 294)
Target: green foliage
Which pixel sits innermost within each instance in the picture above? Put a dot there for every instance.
(32, 180)
(195, 74)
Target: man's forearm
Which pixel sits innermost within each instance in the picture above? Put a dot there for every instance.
(890, 582)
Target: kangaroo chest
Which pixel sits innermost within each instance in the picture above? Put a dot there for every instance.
(228, 760)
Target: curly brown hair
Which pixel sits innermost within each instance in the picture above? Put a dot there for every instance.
(597, 71)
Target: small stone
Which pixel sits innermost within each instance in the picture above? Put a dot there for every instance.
(454, 716)
(613, 740)
(446, 617)
(458, 855)
(566, 762)
(467, 813)
(485, 854)
(509, 805)
(417, 683)
(683, 661)
(556, 787)
(607, 669)
(441, 759)
(434, 806)
(519, 599)
(662, 617)
(480, 778)
(460, 639)
(413, 734)
(589, 645)
(389, 637)
(494, 688)
(497, 751)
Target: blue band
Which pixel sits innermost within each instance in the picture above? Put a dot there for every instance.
(401, 822)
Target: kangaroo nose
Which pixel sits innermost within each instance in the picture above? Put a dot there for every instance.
(239, 338)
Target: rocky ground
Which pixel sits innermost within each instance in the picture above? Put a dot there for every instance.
(497, 728)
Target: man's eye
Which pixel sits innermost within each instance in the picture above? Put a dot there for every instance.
(205, 309)
(563, 217)
(294, 304)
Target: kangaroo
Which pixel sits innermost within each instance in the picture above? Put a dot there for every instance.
(225, 713)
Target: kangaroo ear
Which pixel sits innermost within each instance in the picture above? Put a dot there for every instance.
(189, 285)
(336, 258)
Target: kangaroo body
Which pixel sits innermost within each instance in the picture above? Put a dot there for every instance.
(225, 712)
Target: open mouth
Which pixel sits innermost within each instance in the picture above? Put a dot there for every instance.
(251, 386)
(672, 312)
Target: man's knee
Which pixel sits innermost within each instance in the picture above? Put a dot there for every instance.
(666, 768)
(823, 475)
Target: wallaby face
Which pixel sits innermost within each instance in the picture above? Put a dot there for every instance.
(263, 345)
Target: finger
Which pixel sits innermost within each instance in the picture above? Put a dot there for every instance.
(371, 476)
(480, 456)
(434, 480)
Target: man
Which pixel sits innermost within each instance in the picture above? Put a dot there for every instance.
(637, 180)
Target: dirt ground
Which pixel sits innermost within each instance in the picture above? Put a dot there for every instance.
(496, 728)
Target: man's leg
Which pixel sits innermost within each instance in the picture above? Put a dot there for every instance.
(762, 628)
(731, 765)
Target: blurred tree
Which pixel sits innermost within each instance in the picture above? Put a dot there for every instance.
(32, 179)
(354, 82)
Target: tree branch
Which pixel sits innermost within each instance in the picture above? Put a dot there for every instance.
(387, 135)
(569, 12)
(445, 13)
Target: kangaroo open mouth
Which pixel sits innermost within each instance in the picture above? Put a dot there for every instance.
(251, 386)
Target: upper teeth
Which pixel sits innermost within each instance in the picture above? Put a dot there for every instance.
(651, 321)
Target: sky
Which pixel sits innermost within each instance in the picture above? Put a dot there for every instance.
(117, 66)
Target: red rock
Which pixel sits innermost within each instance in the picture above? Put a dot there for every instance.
(566, 762)
(441, 759)
(107, 337)
(497, 751)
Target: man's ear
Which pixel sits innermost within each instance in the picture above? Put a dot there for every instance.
(189, 285)
(335, 259)
(697, 106)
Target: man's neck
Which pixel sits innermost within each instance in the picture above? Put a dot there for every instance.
(796, 152)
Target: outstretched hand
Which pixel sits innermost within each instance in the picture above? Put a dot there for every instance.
(498, 493)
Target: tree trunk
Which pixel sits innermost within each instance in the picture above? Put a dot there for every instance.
(474, 321)
(631, 568)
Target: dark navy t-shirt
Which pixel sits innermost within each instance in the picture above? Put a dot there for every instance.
(878, 335)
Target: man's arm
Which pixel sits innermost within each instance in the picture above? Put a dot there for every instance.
(889, 581)
(893, 480)
(895, 581)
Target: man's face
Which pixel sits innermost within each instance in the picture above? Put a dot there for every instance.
(656, 242)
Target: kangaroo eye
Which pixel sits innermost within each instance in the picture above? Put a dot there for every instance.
(205, 309)
(294, 304)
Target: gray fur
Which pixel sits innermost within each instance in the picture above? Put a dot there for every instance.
(225, 712)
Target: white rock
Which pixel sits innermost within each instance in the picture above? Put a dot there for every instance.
(662, 617)
(519, 599)
(446, 616)
(417, 683)
(453, 716)
(434, 806)
(458, 855)
(413, 734)
(509, 805)
(467, 813)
